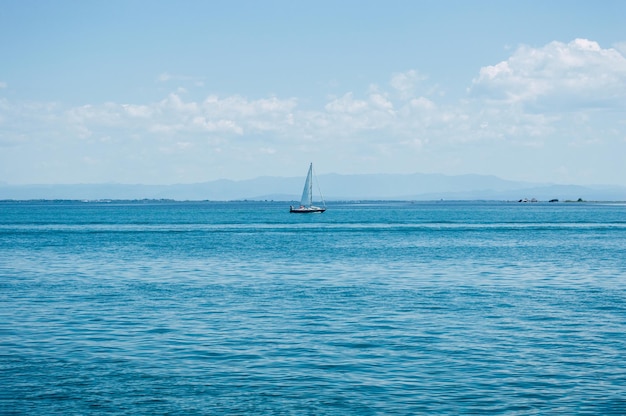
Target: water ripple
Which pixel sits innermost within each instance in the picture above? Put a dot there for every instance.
(249, 317)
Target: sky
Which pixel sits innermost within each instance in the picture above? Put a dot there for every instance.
(167, 92)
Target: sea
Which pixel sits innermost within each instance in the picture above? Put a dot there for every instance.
(372, 308)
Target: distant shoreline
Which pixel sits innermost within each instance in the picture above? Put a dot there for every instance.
(332, 202)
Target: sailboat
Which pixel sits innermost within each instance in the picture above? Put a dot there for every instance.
(306, 202)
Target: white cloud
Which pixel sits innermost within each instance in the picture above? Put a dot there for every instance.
(346, 104)
(347, 115)
(3, 85)
(237, 106)
(174, 115)
(164, 77)
(405, 83)
(579, 74)
(422, 103)
(141, 111)
(167, 77)
(621, 46)
(552, 96)
(174, 103)
(224, 126)
(380, 102)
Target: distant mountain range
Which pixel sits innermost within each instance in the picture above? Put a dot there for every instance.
(334, 186)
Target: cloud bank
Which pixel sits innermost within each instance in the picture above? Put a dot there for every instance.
(565, 96)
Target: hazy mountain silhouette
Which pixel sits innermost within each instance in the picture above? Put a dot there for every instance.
(334, 187)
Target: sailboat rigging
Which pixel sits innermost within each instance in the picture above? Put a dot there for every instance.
(306, 202)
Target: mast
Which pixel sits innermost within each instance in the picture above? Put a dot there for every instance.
(310, 180)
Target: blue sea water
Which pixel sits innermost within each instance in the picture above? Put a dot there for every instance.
(367, 309)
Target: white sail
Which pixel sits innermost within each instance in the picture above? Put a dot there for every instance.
(307, 192)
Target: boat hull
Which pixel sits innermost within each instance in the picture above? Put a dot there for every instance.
(307, 210)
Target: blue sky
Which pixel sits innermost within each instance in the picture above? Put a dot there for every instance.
(162, 92)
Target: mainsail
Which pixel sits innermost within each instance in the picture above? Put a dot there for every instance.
(307, 192)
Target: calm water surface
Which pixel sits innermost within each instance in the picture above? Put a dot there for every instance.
(243, 308)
